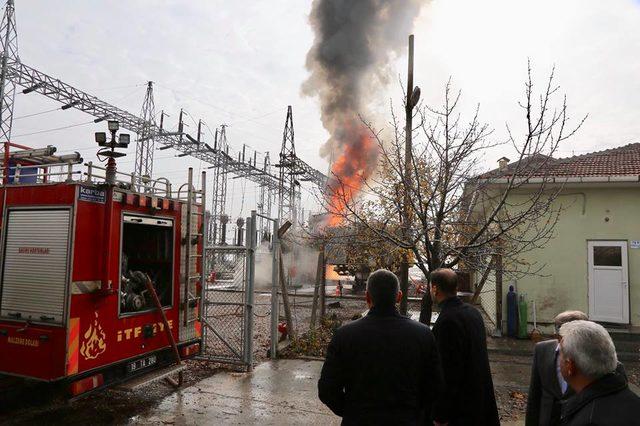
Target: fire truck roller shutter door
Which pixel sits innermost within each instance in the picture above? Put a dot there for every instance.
(35, 268)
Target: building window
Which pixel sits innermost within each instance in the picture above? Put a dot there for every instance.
(607, 256)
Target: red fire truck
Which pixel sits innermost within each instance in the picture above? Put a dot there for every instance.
(82, 262)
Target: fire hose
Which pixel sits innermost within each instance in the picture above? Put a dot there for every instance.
(172, 341)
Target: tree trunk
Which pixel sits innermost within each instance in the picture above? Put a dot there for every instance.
(285, 301)
(483, 280)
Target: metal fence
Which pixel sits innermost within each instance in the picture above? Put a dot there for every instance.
(487, 299)
(228, 304)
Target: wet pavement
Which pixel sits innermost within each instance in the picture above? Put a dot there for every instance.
(275, 393)
(279, 392)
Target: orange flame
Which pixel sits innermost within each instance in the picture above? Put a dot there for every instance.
(331, 274)
(351, 169)
(94, 341)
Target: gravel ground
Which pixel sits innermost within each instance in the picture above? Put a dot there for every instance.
(512, 404)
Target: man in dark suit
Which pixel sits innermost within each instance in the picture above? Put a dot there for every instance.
(547, 388)
(588, 363)
(384, 368)
(468, 397)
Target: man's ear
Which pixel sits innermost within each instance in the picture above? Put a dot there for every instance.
(571, 368)
(367, 298)
(399, 297)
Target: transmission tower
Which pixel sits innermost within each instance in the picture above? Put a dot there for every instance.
(289, 187)
(145, 146)
(265, 202)
(9, 41)
(217, 224)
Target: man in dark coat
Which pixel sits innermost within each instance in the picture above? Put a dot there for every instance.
(547, 387)
(384, 368)
(426, 307)
(588, 362)
(468, 397)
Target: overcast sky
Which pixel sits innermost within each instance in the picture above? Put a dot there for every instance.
(242, 62)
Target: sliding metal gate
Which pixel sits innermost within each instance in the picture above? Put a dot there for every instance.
(228, 302)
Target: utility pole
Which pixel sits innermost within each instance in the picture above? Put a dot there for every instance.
(413, 95)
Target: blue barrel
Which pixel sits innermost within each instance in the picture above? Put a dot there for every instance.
(512, 312)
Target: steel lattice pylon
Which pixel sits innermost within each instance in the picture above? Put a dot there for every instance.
(289, 185)
(293, 171)
(219, 198)
(145, 145)
(265, 202)
(9, 41)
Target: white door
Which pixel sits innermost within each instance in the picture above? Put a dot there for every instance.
(608, 282)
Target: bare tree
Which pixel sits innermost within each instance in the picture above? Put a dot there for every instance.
(460, 217)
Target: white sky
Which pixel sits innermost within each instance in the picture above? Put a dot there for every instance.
(242, 63)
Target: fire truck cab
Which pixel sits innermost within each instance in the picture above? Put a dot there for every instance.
(75, 253)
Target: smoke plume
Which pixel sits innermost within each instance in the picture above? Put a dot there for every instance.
(355, 41)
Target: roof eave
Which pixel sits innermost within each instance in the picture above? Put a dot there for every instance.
(564, 179)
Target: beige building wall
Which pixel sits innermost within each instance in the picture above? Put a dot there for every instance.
(564, 284)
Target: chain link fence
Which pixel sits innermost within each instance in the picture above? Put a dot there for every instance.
(489, 301)
(225, 306)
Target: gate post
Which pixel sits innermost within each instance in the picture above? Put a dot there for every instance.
(499, 272)
(251, 260)
(275, 277)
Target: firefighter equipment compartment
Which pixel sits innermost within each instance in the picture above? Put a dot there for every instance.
(35, 265)
(147, 248)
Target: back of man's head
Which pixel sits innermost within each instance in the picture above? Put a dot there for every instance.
(446, 280)
(568, 316)
(382, 287)
(590, 347)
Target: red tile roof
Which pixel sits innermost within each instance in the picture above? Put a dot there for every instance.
(622, 161)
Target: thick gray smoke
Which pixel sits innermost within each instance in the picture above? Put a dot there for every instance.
(355, 42)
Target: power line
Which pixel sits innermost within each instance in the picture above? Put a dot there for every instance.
(120, 87)
(52, 130)
(37, 113)
(243, 117)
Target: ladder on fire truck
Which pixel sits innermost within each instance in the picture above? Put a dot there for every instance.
(192, 268)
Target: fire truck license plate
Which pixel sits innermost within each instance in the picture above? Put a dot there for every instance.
(139, 364)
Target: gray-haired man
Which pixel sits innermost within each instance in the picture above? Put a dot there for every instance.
(548, 388)
(588, 362)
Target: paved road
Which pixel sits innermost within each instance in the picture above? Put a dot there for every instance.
(276, 393)
(279, 392)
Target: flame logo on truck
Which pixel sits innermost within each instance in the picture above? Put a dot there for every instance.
(94, 341)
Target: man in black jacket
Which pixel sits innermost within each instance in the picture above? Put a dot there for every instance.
(468, 397)
(547, 387)
(384, 368)
(588, 362)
